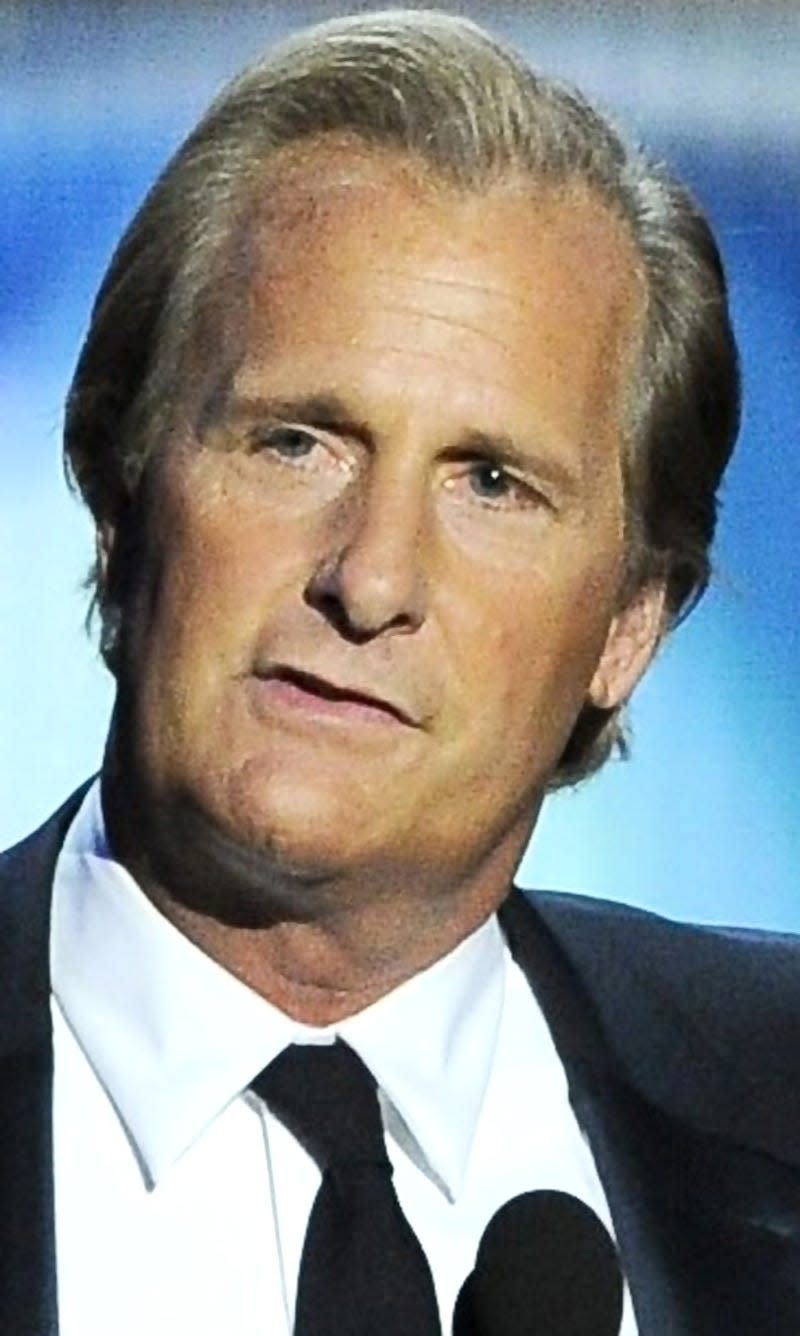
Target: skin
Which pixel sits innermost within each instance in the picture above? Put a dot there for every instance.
(363, 627)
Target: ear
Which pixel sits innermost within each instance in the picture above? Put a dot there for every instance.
(632, 641)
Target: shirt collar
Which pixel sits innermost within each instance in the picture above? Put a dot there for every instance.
(430, 1044)
(174, 1038)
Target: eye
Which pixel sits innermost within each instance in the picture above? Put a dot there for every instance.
(290, 443)
(495, 487)
(490, 481)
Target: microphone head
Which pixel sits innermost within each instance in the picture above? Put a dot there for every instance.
(546, 1266)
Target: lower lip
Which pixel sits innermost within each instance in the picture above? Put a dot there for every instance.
(284, 697)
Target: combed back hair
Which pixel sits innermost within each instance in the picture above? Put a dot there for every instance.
(437, 88)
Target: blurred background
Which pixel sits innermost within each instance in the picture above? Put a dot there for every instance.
(702, 822)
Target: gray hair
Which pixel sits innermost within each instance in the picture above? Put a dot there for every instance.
(436, 87)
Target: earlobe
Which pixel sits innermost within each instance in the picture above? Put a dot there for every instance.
(632, 641)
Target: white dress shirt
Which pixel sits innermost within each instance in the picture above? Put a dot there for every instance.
(181, 1203)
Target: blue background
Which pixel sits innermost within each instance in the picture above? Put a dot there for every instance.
(703, 822)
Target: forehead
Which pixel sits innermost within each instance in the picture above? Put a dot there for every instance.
(518, 291)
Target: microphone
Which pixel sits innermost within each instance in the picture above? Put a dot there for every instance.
(546, 1266)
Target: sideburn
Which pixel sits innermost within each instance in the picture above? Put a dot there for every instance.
(200, 353)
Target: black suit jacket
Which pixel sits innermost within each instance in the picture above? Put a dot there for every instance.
(682, 1051)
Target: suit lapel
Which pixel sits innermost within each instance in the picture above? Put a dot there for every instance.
(708, 1230)
(27, 1241)
(27, 1229)
(708, 1224)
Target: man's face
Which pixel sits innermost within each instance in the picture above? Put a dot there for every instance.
(376, 594)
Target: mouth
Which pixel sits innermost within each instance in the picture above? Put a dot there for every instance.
(297, 689)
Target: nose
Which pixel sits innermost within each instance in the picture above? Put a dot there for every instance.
(371, 579)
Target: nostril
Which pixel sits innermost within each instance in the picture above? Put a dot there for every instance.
(364, 597)
(326, 601)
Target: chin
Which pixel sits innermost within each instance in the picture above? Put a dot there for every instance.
(302, 828)
(250, 870)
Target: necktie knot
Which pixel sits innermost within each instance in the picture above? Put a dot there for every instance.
(327, 1098)
(362, 1270)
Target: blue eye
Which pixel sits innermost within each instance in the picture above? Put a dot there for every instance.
(287, 442)
(490, 481)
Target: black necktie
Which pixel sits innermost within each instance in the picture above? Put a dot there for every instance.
(362, 1272)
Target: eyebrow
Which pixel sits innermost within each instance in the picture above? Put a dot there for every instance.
(502, 449)
(319, 410)
(329, 411)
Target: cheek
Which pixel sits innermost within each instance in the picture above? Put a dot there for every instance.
(220, 572)
(528, 664)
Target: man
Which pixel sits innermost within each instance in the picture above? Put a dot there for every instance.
(400, 417)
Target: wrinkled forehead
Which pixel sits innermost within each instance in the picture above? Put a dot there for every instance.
(514, 258)
(335, 203)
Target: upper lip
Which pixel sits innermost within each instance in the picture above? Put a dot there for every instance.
(335, 690)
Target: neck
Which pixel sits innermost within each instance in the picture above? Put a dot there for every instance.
(320, 944)
(321, 971)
